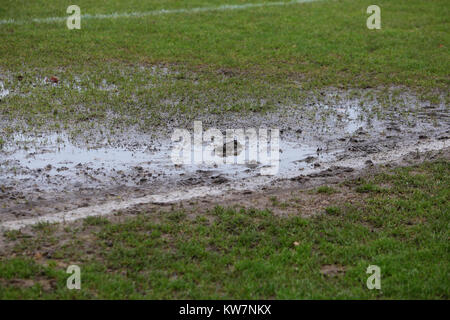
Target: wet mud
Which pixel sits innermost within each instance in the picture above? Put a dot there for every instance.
(54, 176)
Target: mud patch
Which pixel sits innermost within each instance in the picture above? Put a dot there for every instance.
(58, 177)
(331, 270)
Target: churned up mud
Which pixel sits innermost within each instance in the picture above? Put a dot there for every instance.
(56, 177)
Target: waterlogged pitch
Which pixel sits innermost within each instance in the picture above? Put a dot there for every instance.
(224, 149)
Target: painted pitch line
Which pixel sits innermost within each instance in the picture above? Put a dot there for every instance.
(111, 207)
(225, 7)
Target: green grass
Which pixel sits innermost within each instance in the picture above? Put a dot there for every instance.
(368, 187)
(334, 210)
(326, 190)
(249, 60)
(251, 254)
(325, 42)
(95, 221)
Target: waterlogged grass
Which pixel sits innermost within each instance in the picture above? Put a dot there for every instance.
(144, 96)
(400, 226)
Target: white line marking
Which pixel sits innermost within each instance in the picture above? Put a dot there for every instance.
(158, 12)
(111, 207)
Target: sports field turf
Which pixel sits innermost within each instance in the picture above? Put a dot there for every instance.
(217, 60)
(134, 66)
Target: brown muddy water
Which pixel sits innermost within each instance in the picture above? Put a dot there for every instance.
(55, 177)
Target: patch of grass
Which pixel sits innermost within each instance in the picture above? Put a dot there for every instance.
(44, 227)
(274, 201)
(326, 190)
(367, 187)
(333, 210)
(254, 254)
(12, 234)
(20, 268)
(95, 221)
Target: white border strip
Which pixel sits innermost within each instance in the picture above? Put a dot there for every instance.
(111, 207)
(158, 12)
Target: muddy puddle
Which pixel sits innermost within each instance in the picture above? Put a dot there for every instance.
(54, 163)
(60, 177)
